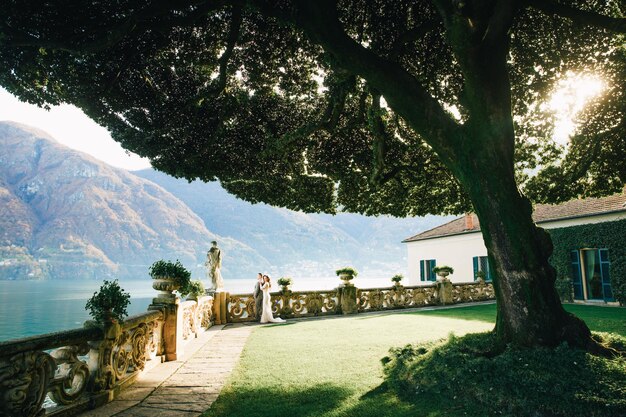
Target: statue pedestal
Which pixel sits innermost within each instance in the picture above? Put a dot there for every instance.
(220, 307)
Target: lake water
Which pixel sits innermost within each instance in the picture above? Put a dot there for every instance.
(29, 308)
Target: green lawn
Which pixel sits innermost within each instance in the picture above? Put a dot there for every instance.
(332, 367)
(598, 318)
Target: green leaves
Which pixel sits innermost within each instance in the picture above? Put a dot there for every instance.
(110, 302)
(247, 97)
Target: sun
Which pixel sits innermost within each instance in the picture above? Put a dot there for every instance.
(572, 93)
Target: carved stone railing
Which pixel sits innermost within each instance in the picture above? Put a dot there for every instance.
(469, 292)
(67, 372)
(196, 316)
(289, 304)
(305, 303)
(396, 297)
(74, 367)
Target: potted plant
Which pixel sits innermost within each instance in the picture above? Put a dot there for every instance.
(108, 305)
(169, 276)
(480, 276)
(193, 290)
(346, 274)
(397, 278)
(285, 283)
(443, 271)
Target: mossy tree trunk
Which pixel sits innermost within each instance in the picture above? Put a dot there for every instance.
(529, 309)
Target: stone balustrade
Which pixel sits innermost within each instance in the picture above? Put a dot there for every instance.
(350, 300)
(67, 372)
(64, 373)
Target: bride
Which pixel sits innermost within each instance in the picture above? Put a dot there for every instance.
(266, 316)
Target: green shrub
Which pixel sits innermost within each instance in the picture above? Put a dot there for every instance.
(397, 278)
(194, 288)
(110, 302)
(443, 268)
(173, 270)
(470, 374)
(284, 281)
(347, 271)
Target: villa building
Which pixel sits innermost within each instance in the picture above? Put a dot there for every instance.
(589, 237)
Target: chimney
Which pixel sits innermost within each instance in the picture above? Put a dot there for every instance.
(469, 221)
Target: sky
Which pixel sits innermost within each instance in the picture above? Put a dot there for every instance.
(71, 127)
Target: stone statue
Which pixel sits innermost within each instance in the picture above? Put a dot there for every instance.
(214, 264)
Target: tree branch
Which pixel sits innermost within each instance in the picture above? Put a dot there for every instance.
(411, 36)
(231, 41)
(614, 24)
(401, 90)
(500, 21)
(328, 120)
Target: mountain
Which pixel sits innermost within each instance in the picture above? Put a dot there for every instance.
(64, 214)
(299, 244)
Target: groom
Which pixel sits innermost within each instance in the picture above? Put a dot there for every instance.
(258, 296)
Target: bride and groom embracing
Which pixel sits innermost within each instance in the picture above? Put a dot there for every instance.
(263, 300)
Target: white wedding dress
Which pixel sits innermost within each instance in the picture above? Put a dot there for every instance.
(266, 315)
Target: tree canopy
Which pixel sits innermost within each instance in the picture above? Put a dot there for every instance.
(400, 107)
(305, 104)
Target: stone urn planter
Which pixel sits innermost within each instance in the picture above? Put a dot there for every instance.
(168, 277)
(285, 284)
(396, 280)
(443, 271)
(166, 287)
(346, 275)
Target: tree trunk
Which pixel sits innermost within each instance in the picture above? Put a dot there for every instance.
(529, 309)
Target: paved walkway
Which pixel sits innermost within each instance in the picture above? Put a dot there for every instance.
(186, 387)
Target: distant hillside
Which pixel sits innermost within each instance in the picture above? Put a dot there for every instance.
(64, 214)
(299, 244)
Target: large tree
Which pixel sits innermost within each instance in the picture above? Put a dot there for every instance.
(401, 107)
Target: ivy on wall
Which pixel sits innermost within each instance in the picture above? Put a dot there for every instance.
(609, 235)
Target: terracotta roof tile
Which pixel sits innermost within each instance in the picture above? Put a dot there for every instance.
(542, 213)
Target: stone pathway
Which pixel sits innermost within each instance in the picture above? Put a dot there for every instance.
(187, 387)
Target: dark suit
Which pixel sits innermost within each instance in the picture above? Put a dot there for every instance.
(258, 300)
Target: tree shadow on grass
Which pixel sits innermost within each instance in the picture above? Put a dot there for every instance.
(278, 401)
(381, 402)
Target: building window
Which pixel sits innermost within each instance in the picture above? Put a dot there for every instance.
(426, 270)
(481, 263)
(591, 276)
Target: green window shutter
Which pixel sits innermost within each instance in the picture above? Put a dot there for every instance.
(422, 271)
(475, 263)
(577, 275)
(432, 276)
(606, 277)
(488, 264)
